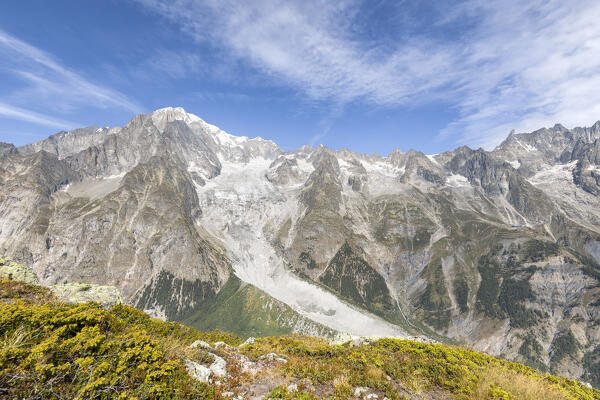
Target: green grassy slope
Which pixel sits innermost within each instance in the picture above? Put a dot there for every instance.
(247, 311)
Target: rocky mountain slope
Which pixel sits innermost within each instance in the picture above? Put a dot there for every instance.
(498, 250)
(53, 350)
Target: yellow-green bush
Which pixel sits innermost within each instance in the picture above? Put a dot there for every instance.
(56, 350)
(418, 367)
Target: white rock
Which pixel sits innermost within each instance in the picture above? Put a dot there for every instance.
(202, 344)
(197, 371)
(360, 390)
(272, 357)
(248, 366)
(359, 340)
(341, 338)
(224, 345)
(248, 341)
(74, 292)
(219, 366)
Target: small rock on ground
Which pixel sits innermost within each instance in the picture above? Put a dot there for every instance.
(197, 371)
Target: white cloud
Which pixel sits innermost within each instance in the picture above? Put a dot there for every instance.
(40, 82)
(21, 114)
(529, 65)
(307, 44)
(515, 64)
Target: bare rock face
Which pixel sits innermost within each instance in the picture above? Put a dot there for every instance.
(107, 296)
(7, 148)
(499, 249)
(64, 144)
(284, 171)
(159, 249)
(14, 271)
(27, 184)
(320, 231)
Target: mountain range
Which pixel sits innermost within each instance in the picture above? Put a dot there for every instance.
(495, 250)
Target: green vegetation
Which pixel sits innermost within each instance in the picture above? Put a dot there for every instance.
(563, 345)
(537, 250)
(505, 287)
(307, 260)
(461, 293)
(421, 238)
(350, 276)
(591, 363)
(12, 289)
(392, 214)
(435, 299)
(392, 367)
(589, 265)
(49, 349)
(512, 296)
(247, 311)
(489, 288)
(160, 295)
(282, 392)
(56, 350)
(531, 351)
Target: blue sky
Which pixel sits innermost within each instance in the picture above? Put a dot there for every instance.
(368, 75)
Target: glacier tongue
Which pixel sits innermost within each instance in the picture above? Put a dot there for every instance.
(238, 207)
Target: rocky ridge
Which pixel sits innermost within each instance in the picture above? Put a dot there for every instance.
(106, 296)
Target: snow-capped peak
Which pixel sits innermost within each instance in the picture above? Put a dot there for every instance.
(165, 115)
(162, 116)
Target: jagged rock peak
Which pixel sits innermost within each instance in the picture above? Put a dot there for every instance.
(7, 148)
(395, 153)
(324, 157)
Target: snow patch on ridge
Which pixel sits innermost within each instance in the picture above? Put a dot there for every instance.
(383, 168)
(593, 168)
(305, 166)
(528, 148)
(456, 180)
(162, 116)
(515, 164)
(554, 174)
(225, 139)
(432, 158)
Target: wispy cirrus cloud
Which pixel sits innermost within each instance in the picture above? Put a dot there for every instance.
(528, 65)
(513, 64)
(307, 45)
(39, 82)
(21, 114)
